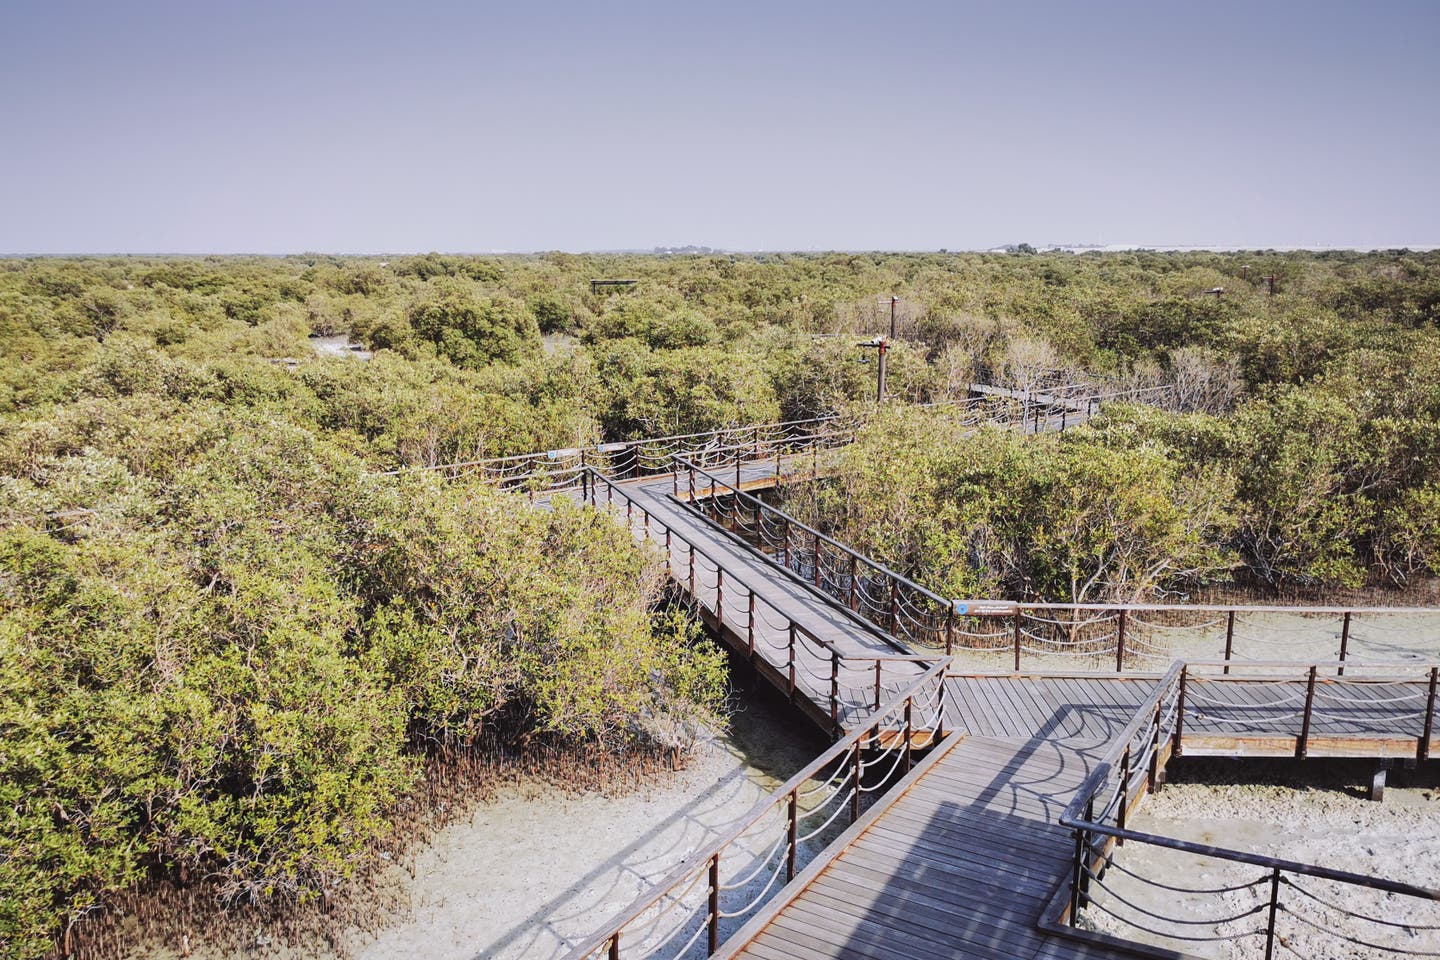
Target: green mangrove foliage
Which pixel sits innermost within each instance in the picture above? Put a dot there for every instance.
(1333, 484)
(227, 641)
(225, 647)
(996, 513)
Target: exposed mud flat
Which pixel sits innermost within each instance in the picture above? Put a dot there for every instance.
(1301, 813)
(535, 869)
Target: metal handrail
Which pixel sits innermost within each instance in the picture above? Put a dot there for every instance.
(611, 930)
(1095, 838)
(801, 525)
(618, 446)
(1144, 713)
(837, 656)
(1257, 859)
(951, 609)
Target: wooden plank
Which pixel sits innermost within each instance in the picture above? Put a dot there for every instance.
(1025, 852)
(998, 708)
(898, 936)
(962, 919)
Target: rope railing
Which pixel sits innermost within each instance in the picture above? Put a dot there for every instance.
(1192, 697)
(726, 881)
(552, 471)
(1042, 635)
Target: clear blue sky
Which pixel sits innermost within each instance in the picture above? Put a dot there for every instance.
(274, 127)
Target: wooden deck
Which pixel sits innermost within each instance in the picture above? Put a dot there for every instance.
(962, 857)
(780, 599)
(966, 854)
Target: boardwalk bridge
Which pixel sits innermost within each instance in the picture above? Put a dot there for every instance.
(988, 756)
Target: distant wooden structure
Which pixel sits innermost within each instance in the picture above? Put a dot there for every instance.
(596, 284)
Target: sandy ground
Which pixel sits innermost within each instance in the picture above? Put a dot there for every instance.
(534, 870)
(1321, 818)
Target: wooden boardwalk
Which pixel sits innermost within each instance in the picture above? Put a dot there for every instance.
(967, 853)
(963, 857)
(835, 651)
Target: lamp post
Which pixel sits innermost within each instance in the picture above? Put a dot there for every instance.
(881, 345)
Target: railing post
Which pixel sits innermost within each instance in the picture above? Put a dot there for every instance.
(894, 608)
(1017, 640)
(854, 585)
(1120, 644)
(1154, 774)
(1423, 752)
(1077, 875)
(1121, 813)
(1302, 746)
(1180, 713)
(950, 629)
(1344, 643)
(817, 559)
(715, 903)
(1229, 637)
(692, 569)
(1274, 906)
(692, 484)
(877, 683)
(835, 690)
(720, 596)
(757, 442)
(750, 625)
(785, 545)
(615, 945)
(584, 485)
(792, 660)
(909, 729)
(792, 830)
(645, 515)
(855, 795)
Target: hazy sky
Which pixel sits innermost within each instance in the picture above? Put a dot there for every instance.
(202, 126)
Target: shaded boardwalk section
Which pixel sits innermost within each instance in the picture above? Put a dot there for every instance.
(975, 855)
(963, 862)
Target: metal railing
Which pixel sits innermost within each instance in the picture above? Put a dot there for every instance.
(845, 685)
(1085, 637)
(551, 471)
(726, 882)
(1281, 897)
